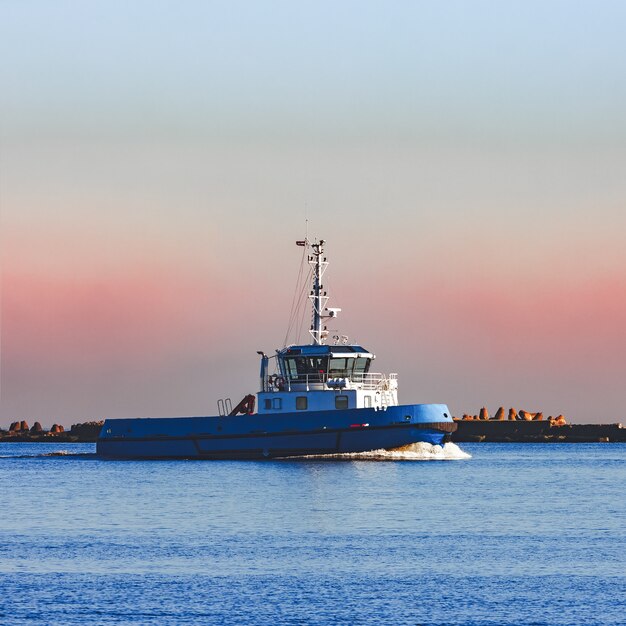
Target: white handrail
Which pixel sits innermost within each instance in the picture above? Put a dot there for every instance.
(370, 381)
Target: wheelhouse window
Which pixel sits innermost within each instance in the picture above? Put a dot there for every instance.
(306, 368)
(340, 368)
(302, 403)
(267, 404)
(341, 402)
(277, 403)
(319, 368)
(361, 367)
(346, 367)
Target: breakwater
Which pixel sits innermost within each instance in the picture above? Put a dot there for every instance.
(20, 431)
(537, 432)
(526, 427)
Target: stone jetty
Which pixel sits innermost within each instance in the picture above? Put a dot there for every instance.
(79, 433)
(528, 427)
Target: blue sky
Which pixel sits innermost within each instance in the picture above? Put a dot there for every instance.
(477, 71)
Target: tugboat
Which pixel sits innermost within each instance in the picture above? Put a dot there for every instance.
(321, 399)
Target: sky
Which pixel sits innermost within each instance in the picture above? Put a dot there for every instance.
(465, 161)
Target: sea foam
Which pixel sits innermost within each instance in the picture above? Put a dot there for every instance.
(413, 452)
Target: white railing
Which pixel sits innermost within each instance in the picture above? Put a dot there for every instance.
(372, 381)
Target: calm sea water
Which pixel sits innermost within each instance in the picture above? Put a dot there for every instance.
(518, 534)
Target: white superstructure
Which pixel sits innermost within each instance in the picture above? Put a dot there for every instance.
(319, 377)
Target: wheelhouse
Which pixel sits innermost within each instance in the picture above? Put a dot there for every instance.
(315, 365)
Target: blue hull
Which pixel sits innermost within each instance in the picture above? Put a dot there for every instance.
(275, 435)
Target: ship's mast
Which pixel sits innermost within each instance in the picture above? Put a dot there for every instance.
(319, 298)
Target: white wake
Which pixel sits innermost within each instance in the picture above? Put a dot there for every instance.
(413, 452)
